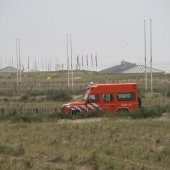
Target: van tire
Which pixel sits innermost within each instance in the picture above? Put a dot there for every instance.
(75, 114)
(123, 110)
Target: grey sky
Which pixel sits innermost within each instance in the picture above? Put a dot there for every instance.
(111, 28)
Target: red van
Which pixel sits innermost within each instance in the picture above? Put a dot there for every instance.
(106, 98)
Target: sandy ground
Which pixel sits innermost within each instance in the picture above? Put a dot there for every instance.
(165, 116)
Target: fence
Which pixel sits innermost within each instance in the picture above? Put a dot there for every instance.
(39, 87)
(35, 110)
(56, 110)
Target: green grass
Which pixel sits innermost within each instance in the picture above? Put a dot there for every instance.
(143, 113)
(59, 95)
(17, 151)
(34, 136)
(106, 144)
(37, 114)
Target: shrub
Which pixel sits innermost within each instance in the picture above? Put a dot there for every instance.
(26, 117)
(168, 94)
(58, 96)
(24, 97)
(10, 150)
(34, 94)
(143, 113)
(6, 149)
(6, 99)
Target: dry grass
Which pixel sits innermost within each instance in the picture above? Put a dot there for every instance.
(105, 144)
(86, 145)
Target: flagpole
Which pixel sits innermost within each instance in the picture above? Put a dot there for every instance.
(71, 62)
(68, 82)
(82, 62)
(19, 62)
(96, 62)
(87, 61)
(146, 86)
(17, 58)
(92, 61)
(151, 53)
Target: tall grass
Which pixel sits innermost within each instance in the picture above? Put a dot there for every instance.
(38, 116)
(143, 113)
(58, 95)
(107, 144)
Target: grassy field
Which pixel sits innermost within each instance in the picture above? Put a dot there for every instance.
(34, 91)
(32, 136)
(37, 81)
(86, 145)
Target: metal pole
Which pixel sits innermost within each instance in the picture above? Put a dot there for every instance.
(19, 62)
(87, 61)
(12, 62)
(71, 62)
(28, 62)
(92, 61)
(82, 63)
(151, 53)
(68, 82)
(55, 64)
(146, 85)
(46, 65)
(96, 62)
(17, 58)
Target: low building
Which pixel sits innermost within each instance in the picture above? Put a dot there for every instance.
(9, 69)
(127, 67)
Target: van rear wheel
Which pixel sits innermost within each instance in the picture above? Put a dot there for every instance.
(124, 110)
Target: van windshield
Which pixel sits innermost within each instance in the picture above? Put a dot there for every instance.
(85, 96)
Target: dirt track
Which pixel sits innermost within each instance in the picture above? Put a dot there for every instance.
(88, 120)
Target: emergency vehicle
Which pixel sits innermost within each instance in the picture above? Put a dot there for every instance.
(106, 98)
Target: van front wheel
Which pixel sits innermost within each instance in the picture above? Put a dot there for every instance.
(75, 114)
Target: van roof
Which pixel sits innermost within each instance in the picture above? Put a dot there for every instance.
(108, 88)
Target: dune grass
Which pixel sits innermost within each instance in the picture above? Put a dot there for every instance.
(105, 144)
(35, 140)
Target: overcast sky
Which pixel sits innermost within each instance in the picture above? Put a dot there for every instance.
(112, 29)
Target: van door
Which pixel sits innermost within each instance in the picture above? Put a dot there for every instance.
(93, 103)
(108, 102)
(126, 100)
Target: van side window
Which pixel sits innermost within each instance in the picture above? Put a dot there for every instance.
(94, 98)
(108, 98)
(126, 96)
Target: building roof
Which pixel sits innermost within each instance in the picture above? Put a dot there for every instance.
(9, 69)
(127, 67)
